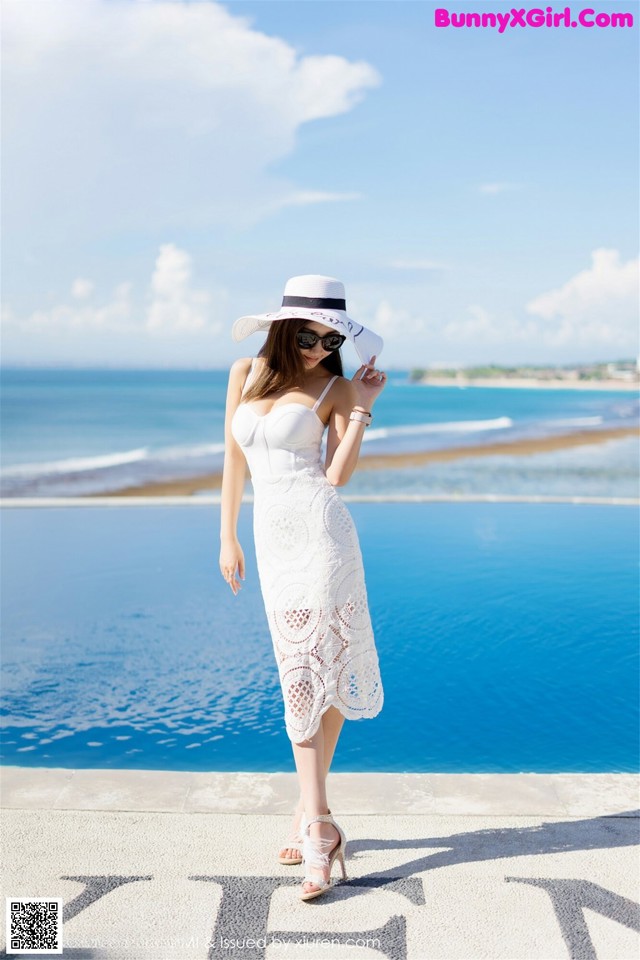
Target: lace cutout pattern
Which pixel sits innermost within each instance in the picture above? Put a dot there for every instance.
(311, 575)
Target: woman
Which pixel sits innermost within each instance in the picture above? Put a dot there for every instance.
(309, 561)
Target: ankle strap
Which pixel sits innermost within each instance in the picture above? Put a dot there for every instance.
(322, 817)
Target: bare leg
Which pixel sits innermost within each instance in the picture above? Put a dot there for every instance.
(313, 759)
(332, 721)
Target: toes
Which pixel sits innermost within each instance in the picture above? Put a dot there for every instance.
(290, 853)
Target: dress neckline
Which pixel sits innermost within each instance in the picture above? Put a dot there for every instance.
(278, 406)
(289, 403)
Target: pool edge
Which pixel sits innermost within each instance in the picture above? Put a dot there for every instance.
(396, 794)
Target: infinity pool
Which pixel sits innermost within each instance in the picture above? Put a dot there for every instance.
(507, 635)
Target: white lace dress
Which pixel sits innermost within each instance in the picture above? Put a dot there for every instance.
(310, 569)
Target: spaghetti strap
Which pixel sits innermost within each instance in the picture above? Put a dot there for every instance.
(324, 392)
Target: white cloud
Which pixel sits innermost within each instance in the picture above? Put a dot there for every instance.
(386, 317)
(595, 311)
(324, 86)
(173, 307)
(163, 113)
(597, 305)
(606, 281)
(478, 327)
(418, 323)
(304, 198)
(81, 289)
(115, 316)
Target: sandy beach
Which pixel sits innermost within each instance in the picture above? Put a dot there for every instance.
(213, 481)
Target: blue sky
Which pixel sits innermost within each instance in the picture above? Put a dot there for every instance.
(167, 166)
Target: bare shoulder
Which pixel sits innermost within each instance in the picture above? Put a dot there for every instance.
(343, 394)
(240, 368)
(343, 389)
(241, 364)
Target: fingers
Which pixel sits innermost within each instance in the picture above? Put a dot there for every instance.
(368, 371)
(364, 366)
(371, 365)
(229, 574)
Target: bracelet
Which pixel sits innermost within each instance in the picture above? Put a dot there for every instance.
(361, 416)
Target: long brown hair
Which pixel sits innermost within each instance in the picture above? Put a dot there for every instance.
(284, 367)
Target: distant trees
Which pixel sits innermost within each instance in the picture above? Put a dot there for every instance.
(618, 370)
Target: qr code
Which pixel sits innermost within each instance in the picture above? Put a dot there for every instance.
(34, 925)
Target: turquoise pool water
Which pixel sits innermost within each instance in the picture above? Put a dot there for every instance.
(507, 636)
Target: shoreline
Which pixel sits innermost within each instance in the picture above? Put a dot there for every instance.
(529, 383)
(213, 481)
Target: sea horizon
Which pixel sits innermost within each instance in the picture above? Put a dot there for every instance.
(95, 431)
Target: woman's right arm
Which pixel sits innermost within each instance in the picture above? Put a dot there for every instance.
(233, 478)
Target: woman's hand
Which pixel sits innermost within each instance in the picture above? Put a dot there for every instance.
(231, 556)
(371, 385)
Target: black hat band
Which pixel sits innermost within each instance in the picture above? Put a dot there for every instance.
(315, 302)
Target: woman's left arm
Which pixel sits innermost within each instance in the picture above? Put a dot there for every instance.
(345, 435)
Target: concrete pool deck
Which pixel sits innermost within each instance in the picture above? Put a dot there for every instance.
(168, 865)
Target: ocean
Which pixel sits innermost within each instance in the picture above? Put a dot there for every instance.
(72, 432)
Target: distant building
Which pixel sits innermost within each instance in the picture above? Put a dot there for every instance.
(614, 372)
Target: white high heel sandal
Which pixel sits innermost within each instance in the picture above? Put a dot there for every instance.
(317, 854)
(294, 843)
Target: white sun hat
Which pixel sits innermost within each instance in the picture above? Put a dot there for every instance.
(314, 297)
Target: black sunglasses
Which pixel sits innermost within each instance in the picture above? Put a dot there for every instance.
(330, 342)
